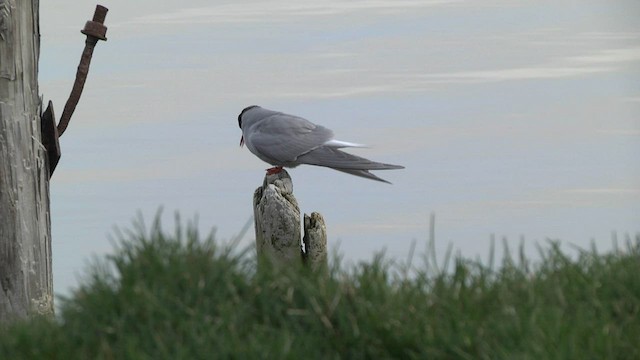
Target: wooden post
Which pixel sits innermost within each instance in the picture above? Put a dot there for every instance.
(25, 226)
(315, 241)
(277, 225)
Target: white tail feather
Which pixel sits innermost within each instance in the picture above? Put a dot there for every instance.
(341, 144)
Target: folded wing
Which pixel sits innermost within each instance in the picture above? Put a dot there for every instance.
(339, 160)
(283, 138)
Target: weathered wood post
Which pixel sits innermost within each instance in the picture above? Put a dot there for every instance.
(25, 230)
(277, 225)
(315, 241)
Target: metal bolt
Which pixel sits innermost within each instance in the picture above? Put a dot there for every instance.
(95, 30)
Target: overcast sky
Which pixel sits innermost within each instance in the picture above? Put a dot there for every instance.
(513, 118)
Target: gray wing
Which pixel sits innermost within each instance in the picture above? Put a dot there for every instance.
(364, 174)
(284, 138)
(339, 160)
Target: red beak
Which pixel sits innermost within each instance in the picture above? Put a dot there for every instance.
(241, 140)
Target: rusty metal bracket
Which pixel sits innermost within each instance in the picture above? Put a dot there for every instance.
(94, 30)
(50, 137)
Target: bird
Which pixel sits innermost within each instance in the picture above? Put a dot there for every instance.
(284, 140)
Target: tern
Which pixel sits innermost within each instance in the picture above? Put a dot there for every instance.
(284, 140)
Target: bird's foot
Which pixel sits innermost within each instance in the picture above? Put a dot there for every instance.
(274, 170)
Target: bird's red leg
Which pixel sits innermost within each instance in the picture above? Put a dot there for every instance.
(274, 170)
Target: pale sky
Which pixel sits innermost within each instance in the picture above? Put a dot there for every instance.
(513, 118)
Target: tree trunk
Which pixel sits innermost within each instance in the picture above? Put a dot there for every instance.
(25, 225)
(277, 225)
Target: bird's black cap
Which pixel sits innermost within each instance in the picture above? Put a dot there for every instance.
(242, 112)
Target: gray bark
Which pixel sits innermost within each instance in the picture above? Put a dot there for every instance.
(277, 225)
(25, 231)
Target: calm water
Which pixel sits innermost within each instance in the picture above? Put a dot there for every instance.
(511, 118)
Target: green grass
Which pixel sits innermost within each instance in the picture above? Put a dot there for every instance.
(177, 296)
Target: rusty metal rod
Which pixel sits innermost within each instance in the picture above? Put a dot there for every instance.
(95, 30)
